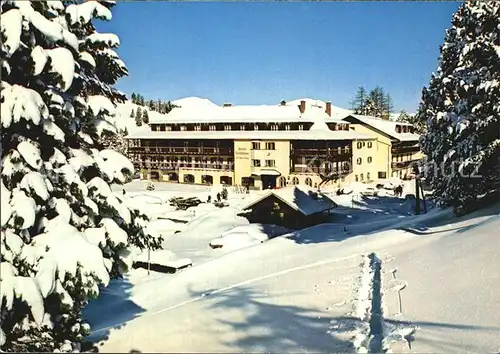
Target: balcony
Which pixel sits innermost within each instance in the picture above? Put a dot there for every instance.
(173, 166)
(405, 150)
(321, 170)
(330, 153)
(181, 150)
(400, 165)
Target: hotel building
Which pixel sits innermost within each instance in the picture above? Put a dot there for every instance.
(295, 143)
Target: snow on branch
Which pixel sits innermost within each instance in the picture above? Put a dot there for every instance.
(20, 102)
(11, 27)
(104, 39)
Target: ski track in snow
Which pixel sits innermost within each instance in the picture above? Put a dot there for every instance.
(246, 282)
(372, 333)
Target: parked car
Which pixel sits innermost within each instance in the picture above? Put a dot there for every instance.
(370, 192)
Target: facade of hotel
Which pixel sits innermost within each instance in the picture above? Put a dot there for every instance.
(270, 146)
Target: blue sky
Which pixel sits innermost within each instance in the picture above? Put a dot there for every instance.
(262, 53)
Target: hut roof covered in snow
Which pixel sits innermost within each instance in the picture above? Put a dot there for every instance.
(304, 200)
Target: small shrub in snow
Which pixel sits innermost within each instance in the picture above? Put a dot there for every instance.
(63, 232)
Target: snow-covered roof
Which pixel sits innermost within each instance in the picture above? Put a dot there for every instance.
(305, 200)
(254, 135)
(337, 112)
(386, 126)
(198, 110)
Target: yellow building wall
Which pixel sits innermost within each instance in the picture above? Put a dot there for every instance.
(381, 152)
(244, 156)
(365, 161)
(242, 160)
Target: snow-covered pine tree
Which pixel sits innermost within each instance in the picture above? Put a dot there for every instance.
(461, 108)
(138, 117)
(63, 231)
(134, 98)
(145, 116)
(371, 108)
(404, 117)
(132, 114)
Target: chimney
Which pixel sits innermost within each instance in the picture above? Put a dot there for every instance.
(328, 108)
(302, 107)
(227, 104)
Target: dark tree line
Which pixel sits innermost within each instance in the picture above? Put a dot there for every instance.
(159, 106)
(376, 103)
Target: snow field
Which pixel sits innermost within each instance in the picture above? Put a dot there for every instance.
(299, 292)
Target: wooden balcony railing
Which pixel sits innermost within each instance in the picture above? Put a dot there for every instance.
(399, 165)
(405, 149)
(322, 170)
(322, 152)
(176, 166)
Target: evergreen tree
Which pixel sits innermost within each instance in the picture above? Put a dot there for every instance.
(359, 102)
(63, 232)
(138, 117)
(168, 107)
(460, 108)
(388, 105)
(132, 113)
(404, 117)
(151, 105)
(375, 105)
(134, 97)
(145, 116)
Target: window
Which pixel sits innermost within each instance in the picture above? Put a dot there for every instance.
(359, 161)
(183, 128)
(382, 175)
(301, 127)
(369, 145)
(369, 159)
(361, 176)
(359, 145)
(368, 176)
(256, 145)
(357, 178)
(211, 128)
(256, 127)
(270, 146)
(309, 182)
(242, 127)
(227, 127)
(162, 127)
(270, 163)
(287, 127)
(168, 127)
(256, 163)
(197, 128)
(295, 181)
(274, 127)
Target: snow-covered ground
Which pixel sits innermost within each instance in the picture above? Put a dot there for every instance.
(313, 290)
